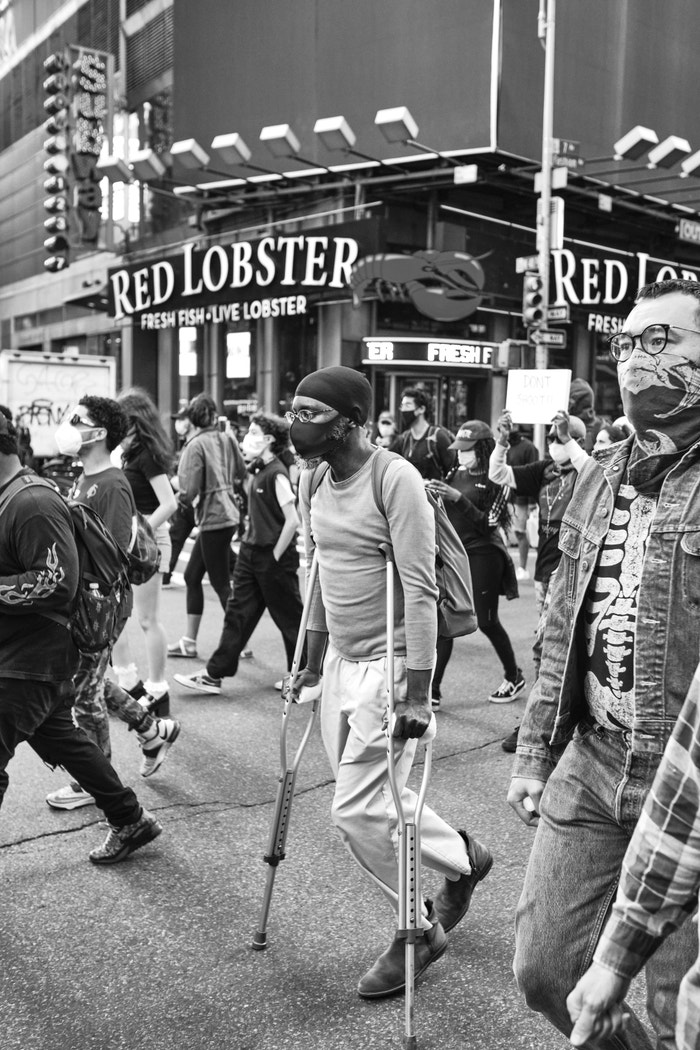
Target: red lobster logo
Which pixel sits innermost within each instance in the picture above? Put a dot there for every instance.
(445, 286)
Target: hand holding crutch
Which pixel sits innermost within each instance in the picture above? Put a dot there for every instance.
(288, 770)
(410, 897)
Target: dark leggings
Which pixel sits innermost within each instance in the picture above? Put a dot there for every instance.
(487, 568)
(210, 554)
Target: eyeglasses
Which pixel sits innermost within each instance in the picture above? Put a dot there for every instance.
(652, 340)
(76, 421)
(306, 415)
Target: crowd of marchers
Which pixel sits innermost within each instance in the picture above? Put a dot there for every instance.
(607, 755)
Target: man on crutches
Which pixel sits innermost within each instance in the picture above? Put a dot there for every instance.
(347, 618)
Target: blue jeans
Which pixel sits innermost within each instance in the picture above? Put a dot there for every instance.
(589, 809)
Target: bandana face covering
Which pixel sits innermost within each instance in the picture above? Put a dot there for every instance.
(313, 440)
(661, 398)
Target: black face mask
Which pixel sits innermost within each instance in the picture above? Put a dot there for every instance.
(407, 418)
(313, 440)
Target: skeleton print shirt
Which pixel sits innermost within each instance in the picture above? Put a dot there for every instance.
(610, 611)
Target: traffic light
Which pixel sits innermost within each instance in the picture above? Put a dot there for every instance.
(57, 89)
(533, 305)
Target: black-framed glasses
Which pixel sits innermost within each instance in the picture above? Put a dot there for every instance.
(306, 415)
(652, 340)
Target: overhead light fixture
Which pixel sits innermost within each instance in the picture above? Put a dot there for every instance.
(396, 125)
(690, 165)
(635, 143)
(114, 168)
(190, 154)
(235, 152)
(283, 143)
(335, 133)
(147, 165)
(669, 152)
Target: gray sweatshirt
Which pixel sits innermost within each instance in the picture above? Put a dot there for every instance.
(344, 523)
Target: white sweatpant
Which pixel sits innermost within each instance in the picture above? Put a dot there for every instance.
(353, 707)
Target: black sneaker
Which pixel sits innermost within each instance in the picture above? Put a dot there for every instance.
(508, 690)
(511, 742)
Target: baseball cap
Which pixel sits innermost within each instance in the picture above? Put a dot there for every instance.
(469, 433)
(183, 413)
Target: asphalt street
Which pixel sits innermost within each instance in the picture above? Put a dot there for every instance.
(155, 953)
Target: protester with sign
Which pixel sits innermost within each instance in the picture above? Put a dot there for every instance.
(478, 509)
(620, 652)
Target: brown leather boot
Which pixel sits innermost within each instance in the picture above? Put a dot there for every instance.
(453, 900)
(388, 975)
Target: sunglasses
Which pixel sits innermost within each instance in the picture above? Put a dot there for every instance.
(76, 421)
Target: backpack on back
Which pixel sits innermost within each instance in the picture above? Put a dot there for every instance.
(103, 599)
(456, 613)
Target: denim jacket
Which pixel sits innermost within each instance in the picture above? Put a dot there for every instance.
(667, 645)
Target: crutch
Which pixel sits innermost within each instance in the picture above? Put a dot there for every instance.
(410, 897)
(288, 771)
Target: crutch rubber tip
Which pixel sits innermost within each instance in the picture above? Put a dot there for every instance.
(259, 941)
(410, 1042)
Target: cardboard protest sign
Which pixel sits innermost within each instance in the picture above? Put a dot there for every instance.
(535, 395)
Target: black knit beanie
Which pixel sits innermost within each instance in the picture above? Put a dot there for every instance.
(341, 388)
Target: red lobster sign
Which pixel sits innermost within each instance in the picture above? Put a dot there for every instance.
(445, 286)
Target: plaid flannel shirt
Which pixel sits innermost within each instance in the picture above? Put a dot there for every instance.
(661, 870)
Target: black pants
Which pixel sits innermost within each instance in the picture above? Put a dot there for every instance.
(487, 568)
(181, 525)
(211, 554)
(259, 583)
(40, 714)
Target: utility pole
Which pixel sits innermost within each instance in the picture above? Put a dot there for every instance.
(545, 31)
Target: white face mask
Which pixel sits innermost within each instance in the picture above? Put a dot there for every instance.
(253, 445)
(558, 453)
(467, 458)
(70, 440)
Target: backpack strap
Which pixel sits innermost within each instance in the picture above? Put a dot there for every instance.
(317, 477)
(380, 464)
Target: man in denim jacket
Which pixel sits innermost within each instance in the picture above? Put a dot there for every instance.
(621, 646)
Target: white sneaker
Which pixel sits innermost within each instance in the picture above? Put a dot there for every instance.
(522, 574)
(155, 747)
(69, 797)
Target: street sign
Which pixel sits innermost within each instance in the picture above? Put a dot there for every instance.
(559, 313)
(547, 337)
(566, 147)
(523, 263)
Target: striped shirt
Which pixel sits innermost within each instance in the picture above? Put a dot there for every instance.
(661, 870)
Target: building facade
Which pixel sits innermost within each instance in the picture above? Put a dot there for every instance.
(236, 263)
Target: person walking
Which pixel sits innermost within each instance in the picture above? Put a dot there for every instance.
(551, 482)
(210, 466)
(478, 510)
(620, 650)
(91, 431)
(147, 458)
(424, 445)
(658, 892)
(520, 452)
(344, 526)
(266, 571)
(182, 522)
(38, 582)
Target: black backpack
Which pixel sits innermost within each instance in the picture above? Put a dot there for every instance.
(102, 601)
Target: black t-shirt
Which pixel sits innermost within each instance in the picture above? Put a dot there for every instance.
(139, 471)
(553, 492)
(430, 454)
(109, 493)
(38, 572)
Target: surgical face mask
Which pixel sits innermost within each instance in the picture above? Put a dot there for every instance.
(467, 458)
(70, 440)
(558, 453)
(385, 426)
(182, 427)
(253, 445)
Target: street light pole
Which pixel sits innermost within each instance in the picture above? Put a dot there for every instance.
(545, 31)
